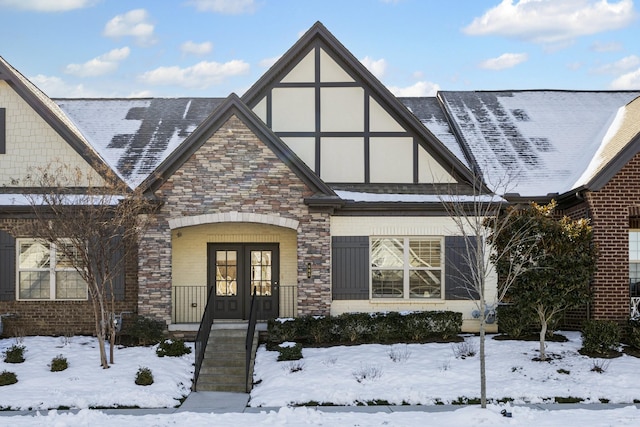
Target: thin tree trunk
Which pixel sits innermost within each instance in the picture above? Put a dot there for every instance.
(543, 335)
(483, 371)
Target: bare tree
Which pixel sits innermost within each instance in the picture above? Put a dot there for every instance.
(479, 216)
(93, 220)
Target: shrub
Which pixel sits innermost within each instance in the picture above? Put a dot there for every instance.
(600, 337)
(281, 330)
(14, 354)
(365, 328)
(464, 349)
(367, 373)
(354, 327)
(600, 366)
(172, 348)
(289, 352)
(419, 326)
(399, 353)
(633, 335)
(144, 376)
(59, 363)
(514, 321)
(144, 331)
(8, 378)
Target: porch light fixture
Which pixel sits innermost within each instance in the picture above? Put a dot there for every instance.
(308, 270)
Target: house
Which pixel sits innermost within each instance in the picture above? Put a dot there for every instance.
(318, 188)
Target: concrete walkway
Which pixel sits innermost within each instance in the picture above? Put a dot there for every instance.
(224, 402)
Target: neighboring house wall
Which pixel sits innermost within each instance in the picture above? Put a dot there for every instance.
(234, 171)
(610, 220)
(27, 133)
(57, 317)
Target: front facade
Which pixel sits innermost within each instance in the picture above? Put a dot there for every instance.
(317, 190)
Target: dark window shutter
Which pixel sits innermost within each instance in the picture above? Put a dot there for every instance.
(458, 268)
(350, 267)
(7, 267)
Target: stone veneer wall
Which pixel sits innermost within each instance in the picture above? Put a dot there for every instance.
(234, 171)
(609, 208)
(59, 317)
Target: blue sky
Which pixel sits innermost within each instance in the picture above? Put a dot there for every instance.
(117, 48)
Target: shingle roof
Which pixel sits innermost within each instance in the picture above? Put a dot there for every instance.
(540, 141)
(430, 113)
(135, 135)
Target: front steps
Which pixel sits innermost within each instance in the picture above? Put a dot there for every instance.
(223, 366)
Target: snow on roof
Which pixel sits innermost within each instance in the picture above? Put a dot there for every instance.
(429, 112)
(135, 135)
(624, 128)
(542, 141)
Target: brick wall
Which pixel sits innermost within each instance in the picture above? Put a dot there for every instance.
(234, 171)
(59, 317)
(609, 209)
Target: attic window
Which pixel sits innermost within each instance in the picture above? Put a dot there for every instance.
(3, 131)
(520, 115)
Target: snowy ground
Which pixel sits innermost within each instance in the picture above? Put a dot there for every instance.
(422, 374)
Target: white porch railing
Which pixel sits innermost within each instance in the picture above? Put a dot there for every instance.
(635, 307)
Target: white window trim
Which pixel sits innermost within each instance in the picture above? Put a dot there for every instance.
(406, 295)
(52, 269)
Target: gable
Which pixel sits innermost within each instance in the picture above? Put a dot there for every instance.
(619, 145)
(234, 107)
(233, 169)
(29, 141)
(343, 123)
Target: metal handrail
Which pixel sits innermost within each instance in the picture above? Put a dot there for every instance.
(203, 336)
(248, 344)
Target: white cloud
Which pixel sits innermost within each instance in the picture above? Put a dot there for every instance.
(506, 60)
(626, 81)
(100, 65)
(377, 67)
(552, 21)
(56, 87)
(193, 48)
(226, 7)
(134, 23)
(47, 5)
(268, 62)
(606, 47)
(623, 65)
(201, 75)
(421, 88)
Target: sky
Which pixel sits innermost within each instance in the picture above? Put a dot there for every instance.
(418, 374)
(211, 48)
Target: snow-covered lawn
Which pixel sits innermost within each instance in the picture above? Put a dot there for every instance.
(426, 374)
(421, 374)
(84, 384)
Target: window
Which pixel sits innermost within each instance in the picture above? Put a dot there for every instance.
(45, 273)
(406, 267)
(634, 263)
